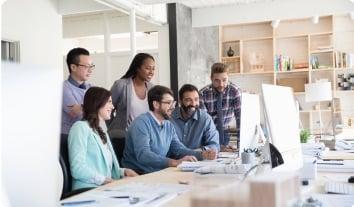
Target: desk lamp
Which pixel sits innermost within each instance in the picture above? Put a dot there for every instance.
(317, 92)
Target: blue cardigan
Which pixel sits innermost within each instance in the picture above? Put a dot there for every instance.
(87, 160)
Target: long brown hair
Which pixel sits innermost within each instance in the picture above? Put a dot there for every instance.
(95, 98)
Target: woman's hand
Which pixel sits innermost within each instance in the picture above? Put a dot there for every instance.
(130, 173)
(107, 180)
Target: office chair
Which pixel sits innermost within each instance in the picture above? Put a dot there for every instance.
(118, 144)
(65, 166)
(276, 157)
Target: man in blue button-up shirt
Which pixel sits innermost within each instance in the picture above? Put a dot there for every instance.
(152, 143)
(194, 127)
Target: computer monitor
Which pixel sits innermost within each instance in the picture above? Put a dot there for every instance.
(250, 119)
(30, 115)
(282, 119)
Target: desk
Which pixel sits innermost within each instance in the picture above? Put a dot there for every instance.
(173, 176)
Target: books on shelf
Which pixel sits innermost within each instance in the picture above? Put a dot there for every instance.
(343, 59)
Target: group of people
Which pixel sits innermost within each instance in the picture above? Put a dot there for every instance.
(158, 134)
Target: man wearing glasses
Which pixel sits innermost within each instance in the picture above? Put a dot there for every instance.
(80, 68)
(152, 143)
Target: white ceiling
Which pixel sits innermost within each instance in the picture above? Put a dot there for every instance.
(204, 3)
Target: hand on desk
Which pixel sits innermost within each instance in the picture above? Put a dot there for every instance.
(188, 158)
(107, 180)
(228, 148)
(130, 173)
(209, 154)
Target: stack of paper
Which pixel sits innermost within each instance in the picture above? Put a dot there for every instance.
(191, 166)
(336, 166)
(313, 149)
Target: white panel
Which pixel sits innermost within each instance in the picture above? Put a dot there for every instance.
(258, 12)
(31, 113)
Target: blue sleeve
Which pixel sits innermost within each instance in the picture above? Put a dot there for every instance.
(68, 99)
(210, 134)
(178, 150)
(77, 146)
(139, 134)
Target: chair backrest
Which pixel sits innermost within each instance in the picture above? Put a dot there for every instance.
(66, 177)
(64, 162)
(118, 144)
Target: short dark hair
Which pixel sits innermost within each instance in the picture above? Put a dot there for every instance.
(219, 68)
(73, 56)
(186, 88)
(156, 93)
(94, 99)
(136, 63)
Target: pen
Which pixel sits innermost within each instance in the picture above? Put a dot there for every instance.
(119, 196)
(330, 163)
(74, 203)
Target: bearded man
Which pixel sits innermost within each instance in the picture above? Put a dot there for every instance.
(195, 127)
(152, 143)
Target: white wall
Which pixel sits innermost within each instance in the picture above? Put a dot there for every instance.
(267, 11)
(38, 27)
(120, 62)
(93, 24)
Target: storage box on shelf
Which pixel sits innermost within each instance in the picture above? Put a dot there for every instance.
(293, 54)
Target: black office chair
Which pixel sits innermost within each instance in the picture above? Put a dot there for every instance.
(118, 144)
(65, 166)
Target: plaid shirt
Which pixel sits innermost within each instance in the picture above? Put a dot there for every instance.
(231, 104)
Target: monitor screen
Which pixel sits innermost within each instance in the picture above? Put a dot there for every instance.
(282, 119)
(250, 119)
(31, 107)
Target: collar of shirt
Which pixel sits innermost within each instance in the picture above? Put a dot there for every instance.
(75, 83)
(155, 118)
(179, 114)
(216, 92)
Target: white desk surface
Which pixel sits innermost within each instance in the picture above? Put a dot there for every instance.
(174, 176)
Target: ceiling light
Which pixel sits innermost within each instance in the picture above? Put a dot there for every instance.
(315, 19)
(275, 23)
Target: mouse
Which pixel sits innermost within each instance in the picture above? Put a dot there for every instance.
(351, 179)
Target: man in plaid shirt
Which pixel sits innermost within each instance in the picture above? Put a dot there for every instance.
(222, 100)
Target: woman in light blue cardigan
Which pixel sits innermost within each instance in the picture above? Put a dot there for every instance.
(92, 159)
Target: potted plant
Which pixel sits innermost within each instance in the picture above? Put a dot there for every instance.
(304, 135)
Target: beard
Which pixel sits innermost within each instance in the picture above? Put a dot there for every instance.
(165, 115)
(189, 110)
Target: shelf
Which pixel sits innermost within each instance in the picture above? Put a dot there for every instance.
(343, 69)
(231, 59)
(322, 70)
(292, 36)
(299, 93)
(321, 51)
(293, 71)
(257, 39)
(344, 91)
(321, 33)
(254, 73)
(316, 111)
(231, 41)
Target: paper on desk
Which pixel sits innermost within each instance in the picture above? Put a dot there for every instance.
(191, 166)
(331, 200)
(148, 194)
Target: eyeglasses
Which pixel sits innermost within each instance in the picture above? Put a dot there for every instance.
(172, 104)
(87, 66)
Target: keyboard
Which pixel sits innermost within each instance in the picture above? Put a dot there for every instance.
(339, 187)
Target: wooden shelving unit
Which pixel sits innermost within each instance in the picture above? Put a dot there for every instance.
(293, 54)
